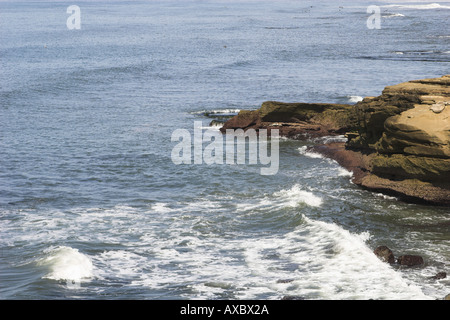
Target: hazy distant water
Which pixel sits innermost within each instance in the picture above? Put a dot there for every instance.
(92, 206)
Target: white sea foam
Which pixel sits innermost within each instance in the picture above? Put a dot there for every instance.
(161, 207)
(214, 126)
(120, 263)
(385, 196)
(329, 139)
(321, 259)
(325, 261)
(342, 172)
(310, 154)
(393, 15)
(349, 262)
(67, 264)
(354, 99)
(285, 198)
(428, 6)
(180, 249)
(218, 112)
(267, 202)
(295, 195)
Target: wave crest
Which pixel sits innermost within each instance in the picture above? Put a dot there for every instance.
(418, 6)
(295, 195)
(67, 264)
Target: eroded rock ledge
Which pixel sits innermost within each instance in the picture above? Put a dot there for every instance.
(397, 143)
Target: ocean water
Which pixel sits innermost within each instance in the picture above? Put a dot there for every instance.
(92, 206)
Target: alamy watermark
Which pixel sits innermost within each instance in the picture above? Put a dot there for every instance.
(74, 20)
(229, 148)
(374, 20)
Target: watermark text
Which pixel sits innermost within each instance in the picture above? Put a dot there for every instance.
(374, 20)
(74, 20)
(233, 147)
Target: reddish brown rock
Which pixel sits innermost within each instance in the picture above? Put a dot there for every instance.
(295, 120)
(354, 161)
(244, 120)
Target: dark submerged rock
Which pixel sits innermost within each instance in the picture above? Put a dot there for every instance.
(439, 275)
(284, 280)
(410, 260)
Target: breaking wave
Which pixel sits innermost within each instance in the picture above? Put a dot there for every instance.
(418, 6)
(67, 264)
(310, 154)
(354, 99)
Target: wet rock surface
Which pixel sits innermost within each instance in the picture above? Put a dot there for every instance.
(385, 254)
(439, 276)
(410, 260)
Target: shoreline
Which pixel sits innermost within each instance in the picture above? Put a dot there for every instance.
(357, 163)
(397, 144)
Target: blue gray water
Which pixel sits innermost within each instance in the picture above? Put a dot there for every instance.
(92, 207)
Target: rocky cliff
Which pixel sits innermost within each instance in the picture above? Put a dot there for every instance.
(397, 143)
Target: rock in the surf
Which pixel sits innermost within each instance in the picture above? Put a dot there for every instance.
(410, 260)
(385, 254)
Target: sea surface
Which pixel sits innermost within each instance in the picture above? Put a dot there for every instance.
(93, 207)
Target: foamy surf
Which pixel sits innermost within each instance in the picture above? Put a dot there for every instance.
(126, 265)
(294, 196)
(354, 99)
(67, 264)
(342, 172)
(218, 112)
(429, 6)
(322, 260)
(393, 15)
(329, 139)
(310, 154)
(161, 207)
(384, 196)
(315, 260)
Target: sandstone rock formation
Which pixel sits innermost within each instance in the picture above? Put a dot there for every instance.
(408, 141)
(397, 143)
(295, 119)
